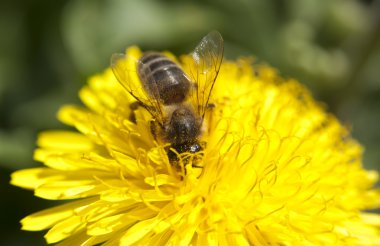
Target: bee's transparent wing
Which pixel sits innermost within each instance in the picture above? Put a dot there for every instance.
(125, 70)
(207, 58)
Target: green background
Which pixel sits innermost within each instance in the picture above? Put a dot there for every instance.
(49, 48)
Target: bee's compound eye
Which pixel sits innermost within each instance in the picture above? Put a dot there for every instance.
(176, 150)
(194, 148)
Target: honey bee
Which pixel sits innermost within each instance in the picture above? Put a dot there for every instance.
(177, 101)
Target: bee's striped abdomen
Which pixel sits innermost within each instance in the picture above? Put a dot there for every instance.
(163, 78)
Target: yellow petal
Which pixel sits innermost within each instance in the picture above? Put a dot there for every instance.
(30, 178)
(138, 231)
(47, 218)
(64, 229)
(64, 141)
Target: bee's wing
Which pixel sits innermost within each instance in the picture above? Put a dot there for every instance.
(207, 58)
(125, 70)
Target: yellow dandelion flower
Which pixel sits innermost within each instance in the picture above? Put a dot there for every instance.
(277, 170)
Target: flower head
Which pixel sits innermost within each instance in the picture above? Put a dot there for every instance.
(276, 170)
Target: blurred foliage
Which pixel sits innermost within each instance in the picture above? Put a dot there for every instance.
(49, 48)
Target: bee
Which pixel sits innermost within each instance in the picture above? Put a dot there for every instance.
(177, 101)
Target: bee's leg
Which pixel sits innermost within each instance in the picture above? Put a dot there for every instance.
(173, 154)
(154, 128)
(194, 85)
(210, 105)
(133, 107)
